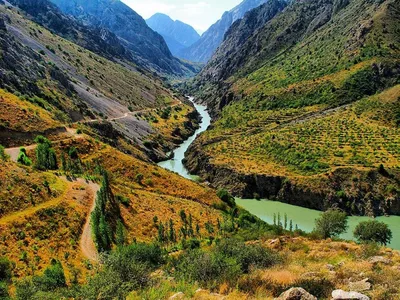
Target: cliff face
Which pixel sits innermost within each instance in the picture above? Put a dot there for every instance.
(204, 48)
(148, 47)
(365, 197)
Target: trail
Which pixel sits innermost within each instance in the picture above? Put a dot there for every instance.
(87, 244)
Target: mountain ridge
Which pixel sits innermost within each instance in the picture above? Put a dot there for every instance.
(203, 49)
(177, 34)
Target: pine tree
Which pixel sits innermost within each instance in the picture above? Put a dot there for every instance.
(285, 221)
(120, 234)
(172, 234)
(291, 226)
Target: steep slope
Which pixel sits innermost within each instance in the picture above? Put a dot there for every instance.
(294, 106)
(203, 49)
(148, 47)
(74, 84)
(177, 34)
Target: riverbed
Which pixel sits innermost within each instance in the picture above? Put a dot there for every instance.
(265, 210)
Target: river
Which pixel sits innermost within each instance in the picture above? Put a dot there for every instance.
(265, 209)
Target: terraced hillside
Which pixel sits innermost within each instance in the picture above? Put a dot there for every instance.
(306, 109)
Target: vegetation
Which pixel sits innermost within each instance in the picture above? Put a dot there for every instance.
(23, 157)
(332, 223)
(46, 158)
(373, 232)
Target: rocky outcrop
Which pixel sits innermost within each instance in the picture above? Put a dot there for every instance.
(296, 294)
(342, 295)
(361, 199)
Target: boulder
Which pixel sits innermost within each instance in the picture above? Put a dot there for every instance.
(360, 286)
(343, 295)
(380, 259)
(177, 296)
(296, 294)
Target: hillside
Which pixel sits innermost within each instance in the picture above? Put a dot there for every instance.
(74, 84)
(204, 48)
(310, 115)
(148, 47)
(176, 34)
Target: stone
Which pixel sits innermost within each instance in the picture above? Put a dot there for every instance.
(176, 296)
(296, 294)
(380, 259)
(360, 286)
(330, 267)
(343, 295)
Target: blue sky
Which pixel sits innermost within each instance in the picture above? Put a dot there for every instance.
(201, 14)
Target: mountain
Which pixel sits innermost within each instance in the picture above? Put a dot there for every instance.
(304, 98)
(177, 34)
(203, 49)
(148, 47)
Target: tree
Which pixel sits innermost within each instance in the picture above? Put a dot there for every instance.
(226, 197)
(46, 158)
(3, 155)
(373, 231)
(120, 234)
(5, 269)
(332, 223)
(23, 158)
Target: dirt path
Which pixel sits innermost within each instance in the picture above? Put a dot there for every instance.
(87, 244)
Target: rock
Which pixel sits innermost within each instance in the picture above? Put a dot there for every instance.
(3, 24)
(296, 294)
(360, 286)
(379, 259)
(343, 295)
(330, 267)
(179, 295)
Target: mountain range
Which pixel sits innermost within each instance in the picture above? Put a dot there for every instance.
(148, 47)
(204, 48)
(177, 34)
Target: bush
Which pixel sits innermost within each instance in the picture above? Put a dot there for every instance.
(332, 223)
(4, 295)
(373, 231)
(3, 155)
(45, 156)
(23, 158)
(5, 269)
(52, 278)
(226, 197)
(248, 255)
(209, 269)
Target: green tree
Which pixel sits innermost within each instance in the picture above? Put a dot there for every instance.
(3, 155)
(332, 223)
(226, 197)
(373, 231)
(120, 234)
(23, 157)
(5, 269)
(46, 158)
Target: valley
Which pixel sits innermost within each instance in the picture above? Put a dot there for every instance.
(278, 178)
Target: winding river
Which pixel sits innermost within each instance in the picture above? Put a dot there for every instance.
(265, 209)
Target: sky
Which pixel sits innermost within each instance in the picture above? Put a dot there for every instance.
(200, 14)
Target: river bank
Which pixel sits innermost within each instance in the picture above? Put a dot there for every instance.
(304, 217)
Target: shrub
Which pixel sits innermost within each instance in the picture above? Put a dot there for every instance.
(5, 269)
(3, 155)
(373, 231)
(332, 223)
(226, 197)
(52, 278)
(138, 178)
(23, 158)
(4, 295)
(209, 269)
(248, 255)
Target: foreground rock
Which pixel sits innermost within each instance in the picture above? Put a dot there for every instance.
(360, 286)
(296, 294)
(342, 295)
